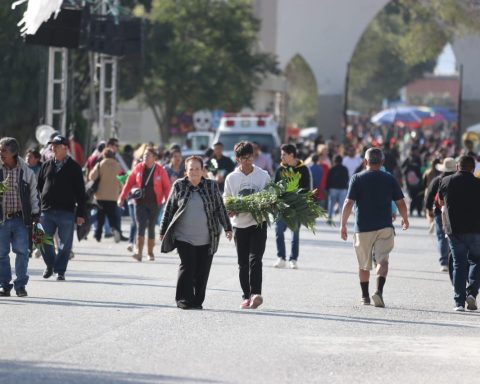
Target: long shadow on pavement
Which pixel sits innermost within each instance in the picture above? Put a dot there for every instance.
(340, 318)
(39, 372)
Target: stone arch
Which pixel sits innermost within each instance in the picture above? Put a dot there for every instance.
(302, 92)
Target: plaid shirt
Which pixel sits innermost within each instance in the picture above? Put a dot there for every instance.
(12, 195)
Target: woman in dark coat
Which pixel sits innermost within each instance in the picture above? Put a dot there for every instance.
(192, 223)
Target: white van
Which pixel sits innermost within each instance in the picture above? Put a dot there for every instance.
(258, 127)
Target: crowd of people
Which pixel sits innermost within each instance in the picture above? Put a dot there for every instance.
(368, 172)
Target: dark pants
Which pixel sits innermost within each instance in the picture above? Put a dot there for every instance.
(416, 203)
(193, 272)
(108, 208)
(250, 244)
(146, 217)
(466, 265)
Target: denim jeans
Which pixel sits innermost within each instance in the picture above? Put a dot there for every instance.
(13, 232)
(335, 196)
(133, 224)
(63, 221)
(443, 247)
(466, 258)
(280, 228)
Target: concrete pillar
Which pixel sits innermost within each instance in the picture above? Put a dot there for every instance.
(467, 53)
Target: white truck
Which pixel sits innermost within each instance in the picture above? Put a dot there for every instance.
(260, 128)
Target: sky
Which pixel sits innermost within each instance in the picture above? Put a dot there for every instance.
(446, 62)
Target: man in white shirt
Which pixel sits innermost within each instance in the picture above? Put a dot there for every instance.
(250, 237)
(352, 161)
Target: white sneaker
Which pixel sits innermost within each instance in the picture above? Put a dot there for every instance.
(293, 264)
(117, 236)
(256, 301)
(444, 268)
(459, 308)
(280, 263)
(37, 253)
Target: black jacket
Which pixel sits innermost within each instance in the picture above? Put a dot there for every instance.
(305, 180)
(64, 190)
(432, 191)
(337, 177)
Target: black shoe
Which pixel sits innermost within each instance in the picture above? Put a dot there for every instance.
(61, 277)
(21, 292)
(47, 273)
(183, 305)
(365, 300)
(199, 307)
(108, 236)
(123, 238)
(4, 292)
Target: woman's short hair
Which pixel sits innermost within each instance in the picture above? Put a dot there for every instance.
(34, 153)
(195, 158)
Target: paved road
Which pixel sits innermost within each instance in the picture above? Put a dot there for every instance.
(114, 321)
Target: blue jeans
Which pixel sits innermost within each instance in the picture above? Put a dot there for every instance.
(279, 233)
(14, 232)
(466, 258)
(63, 221)
(335, 196)
(442, 241)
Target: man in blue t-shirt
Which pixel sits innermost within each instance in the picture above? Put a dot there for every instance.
(372, 192)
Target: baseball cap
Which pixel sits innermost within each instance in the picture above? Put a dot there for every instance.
(59, 139)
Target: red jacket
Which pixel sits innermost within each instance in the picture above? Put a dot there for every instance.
(161, 182)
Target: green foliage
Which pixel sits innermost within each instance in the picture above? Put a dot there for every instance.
(281, 200)
(401, 44)
(200, 54)
(302, 93)
(22, 72)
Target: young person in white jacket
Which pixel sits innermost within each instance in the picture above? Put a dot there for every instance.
(250, 237)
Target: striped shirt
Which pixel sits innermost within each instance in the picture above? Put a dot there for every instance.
(12, 195)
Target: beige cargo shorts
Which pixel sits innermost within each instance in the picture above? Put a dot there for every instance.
(379, 242)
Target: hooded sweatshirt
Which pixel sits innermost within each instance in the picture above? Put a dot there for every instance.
(239, 184)
(305, 181)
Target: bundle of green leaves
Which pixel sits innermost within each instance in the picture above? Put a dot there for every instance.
(282, 200)
(4, 186)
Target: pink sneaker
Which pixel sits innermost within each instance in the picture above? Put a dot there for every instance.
(256, 301)
(245, 304)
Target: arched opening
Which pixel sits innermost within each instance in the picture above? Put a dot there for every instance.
(399, 60)
(302, 93)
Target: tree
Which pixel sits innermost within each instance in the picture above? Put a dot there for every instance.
(401, 44)
(22, 75)
(199, 54)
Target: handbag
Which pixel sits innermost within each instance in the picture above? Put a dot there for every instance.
(91, 187)
(139, 193)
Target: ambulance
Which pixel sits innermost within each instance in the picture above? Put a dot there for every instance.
(260, 128)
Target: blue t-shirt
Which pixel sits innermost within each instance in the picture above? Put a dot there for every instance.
(373, 193)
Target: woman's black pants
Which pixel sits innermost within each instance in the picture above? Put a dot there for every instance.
(193, 272)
